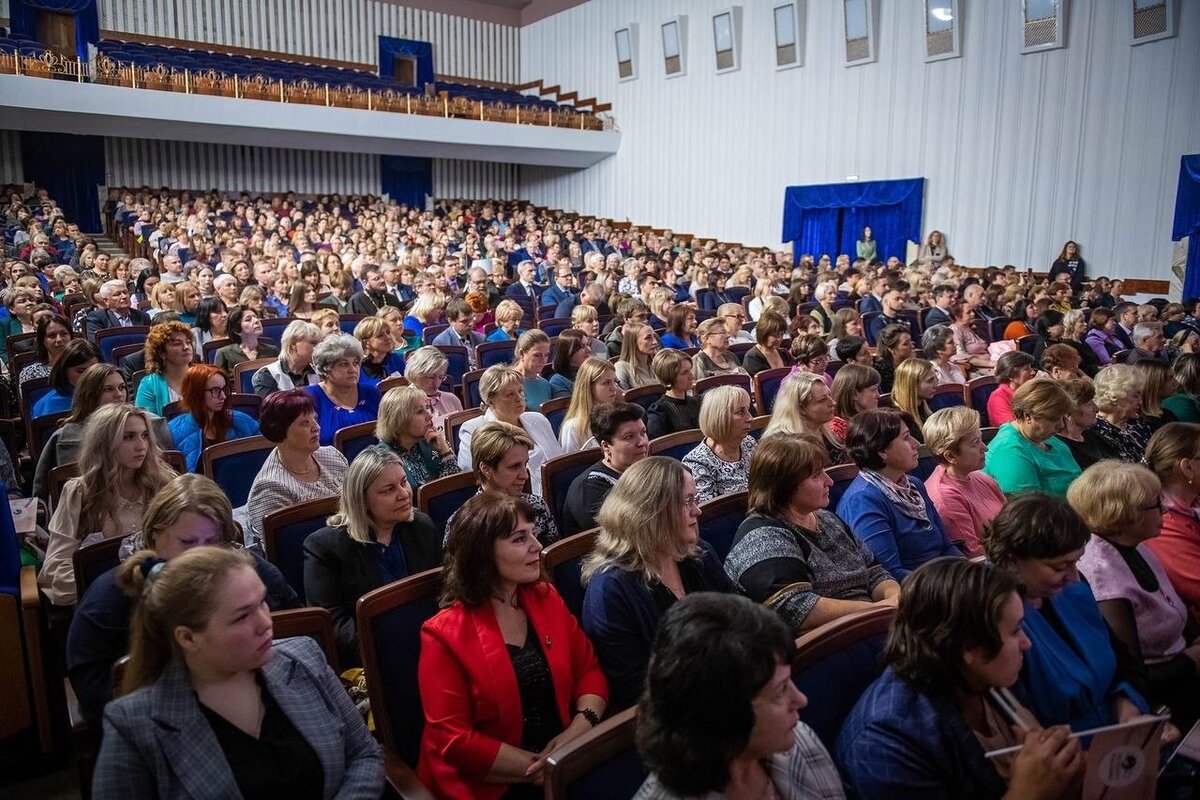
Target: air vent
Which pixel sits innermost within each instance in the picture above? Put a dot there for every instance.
(1153, 20)
(1044, 24)
(941, 29)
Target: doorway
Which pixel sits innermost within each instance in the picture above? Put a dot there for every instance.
(57, 31)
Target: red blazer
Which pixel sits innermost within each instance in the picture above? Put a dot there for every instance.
(1178, 548)
(469, 689)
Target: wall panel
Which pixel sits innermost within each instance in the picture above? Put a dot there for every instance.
(474, 180)
(344, 30)
(1020, 152)
(11, 168)
(192, 165)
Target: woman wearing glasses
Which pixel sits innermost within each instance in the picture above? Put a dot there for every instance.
(207, 418)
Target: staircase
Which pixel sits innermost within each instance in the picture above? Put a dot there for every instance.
(107, 245)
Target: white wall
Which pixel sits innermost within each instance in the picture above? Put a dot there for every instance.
(344, 30)
(1020, 152)
(12, 169)
(474, 180)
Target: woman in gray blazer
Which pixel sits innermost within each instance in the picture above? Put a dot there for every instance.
(214, 708)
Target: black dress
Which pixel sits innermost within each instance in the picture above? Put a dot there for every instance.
(539, 708)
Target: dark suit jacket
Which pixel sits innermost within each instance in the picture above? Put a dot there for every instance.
(555, 295)
(102, 318)
(1125, 336)
(870, 304)
(338, 570)
(936, 317)
(515, 289)
(367, 302)
(157, 742)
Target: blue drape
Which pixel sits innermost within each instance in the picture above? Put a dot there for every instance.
(406, 179)
(390, 47)
(829, 218)
(70, 168)
(23, 19)
(1187, 221)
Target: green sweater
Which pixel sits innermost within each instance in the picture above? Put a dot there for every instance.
(1018, 464)
(1185, 407)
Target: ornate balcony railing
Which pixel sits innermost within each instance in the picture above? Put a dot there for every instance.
(167, 78)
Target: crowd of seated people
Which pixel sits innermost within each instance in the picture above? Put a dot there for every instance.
(1108, 580)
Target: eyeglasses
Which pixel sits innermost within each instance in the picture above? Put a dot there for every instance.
(217, 391)
(1158, 506)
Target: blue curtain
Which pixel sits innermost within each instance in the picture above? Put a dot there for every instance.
(829, 218)
(390, 47)
(70, 168)
(23, 19)
(406, 179)
(1187, 221)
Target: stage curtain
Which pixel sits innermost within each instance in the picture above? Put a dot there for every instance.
(23, 19)
(406, 179)
(390, 47)
(71, 169)
(1187, 221)
(828, 218)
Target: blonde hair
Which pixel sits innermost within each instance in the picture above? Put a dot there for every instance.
(427, 360)
(583, 313)
(583, 402)
(641, 520)
(906, 388)
(630, 353)
(352, 510)
(491, 441)
(508, 310)
(497, 378)
(396, 410)
(1114, 382)
(99, 472)
(188, 493)
(787, 416)
(370, 327)
(1109, 495)
(320, 315)
(667, 364)
(716, 410)
(946, 429)
(425, 305)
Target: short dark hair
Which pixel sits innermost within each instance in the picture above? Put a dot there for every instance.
(848, 347)
(469, 570)
(280, 409)
(606, 419)
(77, 352)
(944, 289)
(458, 308)
(713, 653)
(889, 337)
(1009, 363)
(1034, 525)
(948, 606)
(870, 433)
(204, 312)
(234, 326)
(769, 324)
(1046, 320)
(779, 463)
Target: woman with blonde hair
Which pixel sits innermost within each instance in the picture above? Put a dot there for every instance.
(502, 389)
(508, 322)
(586, 320)
(805, 407)
(720, 464)
(202, 656)
(189, 511)
(375, 537)
(715, 357)
(425, 310)
(120, 469)
(531, 356)
(405, 426)
(169, 353)
(915, 384)
(380, 359)
(1120, 422)
(162, 298)
(638, 346)
(327, 320)
(595, 385)
(966, 498)
(187, 301)
(647, 556)
(855, 389)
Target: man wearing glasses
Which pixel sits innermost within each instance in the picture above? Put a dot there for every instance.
(734, 318)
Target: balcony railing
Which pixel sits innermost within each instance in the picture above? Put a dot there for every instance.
(167, 78)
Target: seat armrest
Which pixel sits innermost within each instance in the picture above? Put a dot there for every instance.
(401, 780)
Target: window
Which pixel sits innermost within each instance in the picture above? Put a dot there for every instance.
(1044, 25)
(672, 44)
(789, 51)
(1153, 20)
(626, 66)
(941, 29)
(858, 21)
(727, 39)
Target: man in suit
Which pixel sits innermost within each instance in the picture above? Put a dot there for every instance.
(461, 331)
(943, 298)
(592, 295)
(563, 286)
(524, 285)
(392, 283)
(1148, 342)
(373, 296)
(118, 313)
(873, 302)
(893, 304)
(1126, 314)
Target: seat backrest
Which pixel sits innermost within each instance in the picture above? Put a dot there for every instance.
(555, 410)
(273, 327)
(562, 564)
(284, 532)
(926, 463)
(600, 764)
(348, 322)
(93, 560)
(719, 521)
(387, 384)
(645, 396)
(1028, 344)
(676, 445)
(454, 422)
(41, 428)
(978, 392)
(470, 388)
(243, 374)
(738, 379)
(353, 439)
(57, 478)
(996, 328)
(554, 326)
(947, 395)
(557, 474)
(430, 332)
(249, 404)
(988, 434)
(109, 338)
(310, 621)
(442, 497)
(835, 663)
(759, 424)
(389, 639)
(233, 465)
(490, 353)
(457, 362)
(211, 348)
(867, 319)
(766, 387)
(842, 476)
(1121, 356)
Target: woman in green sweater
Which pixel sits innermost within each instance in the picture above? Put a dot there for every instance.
(1026, 454)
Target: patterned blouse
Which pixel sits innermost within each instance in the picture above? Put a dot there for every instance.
(422, 465)
(543, 521)
(1130, 443)
(714, 476)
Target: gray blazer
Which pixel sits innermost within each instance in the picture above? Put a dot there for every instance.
(157, 743)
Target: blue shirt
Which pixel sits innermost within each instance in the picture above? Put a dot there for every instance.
(52, 403)
(499, 335)
(332, 418)
(537, 391)
(673, 341)
(899, 542)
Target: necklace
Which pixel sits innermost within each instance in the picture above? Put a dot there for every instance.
(312, 465)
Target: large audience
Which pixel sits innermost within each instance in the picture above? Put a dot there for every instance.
(1005, 461)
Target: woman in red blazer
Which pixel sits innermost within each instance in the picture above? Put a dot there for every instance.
(506, 673)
